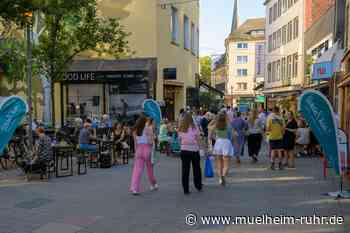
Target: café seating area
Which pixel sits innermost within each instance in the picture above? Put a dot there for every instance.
(68, 158)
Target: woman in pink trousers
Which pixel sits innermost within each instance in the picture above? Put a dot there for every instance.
(144, 139)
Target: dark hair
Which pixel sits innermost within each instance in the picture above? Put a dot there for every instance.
(221, 122)
(238, 114)
(276, 109)
(140, 125)
(182, 110)
(88, 120)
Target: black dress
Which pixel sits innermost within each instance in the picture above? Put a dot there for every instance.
(289, 137)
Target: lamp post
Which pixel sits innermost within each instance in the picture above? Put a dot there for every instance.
(29, 15)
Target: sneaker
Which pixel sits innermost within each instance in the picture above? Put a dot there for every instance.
(154, 187)
(220, 180)
(135, 193)
(272, 166)
(280, 166)
(223, 183)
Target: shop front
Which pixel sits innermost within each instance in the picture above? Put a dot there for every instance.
(286, 98)
(173, 94)
(92, 88)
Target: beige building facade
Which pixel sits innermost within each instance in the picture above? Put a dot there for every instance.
(285, 51)
(165, 33)
(245, 62)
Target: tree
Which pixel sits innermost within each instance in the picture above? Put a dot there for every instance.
(205, 63)
(71, 27)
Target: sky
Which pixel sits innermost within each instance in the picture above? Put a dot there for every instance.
(216, 18)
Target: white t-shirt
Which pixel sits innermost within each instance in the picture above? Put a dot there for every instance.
(303, 136)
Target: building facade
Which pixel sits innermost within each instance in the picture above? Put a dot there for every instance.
(164, 33)
(219, 74)
(285, 59)
(245, 63)
(344, 83)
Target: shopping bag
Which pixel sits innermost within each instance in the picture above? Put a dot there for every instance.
(208, 169)
(154, 156)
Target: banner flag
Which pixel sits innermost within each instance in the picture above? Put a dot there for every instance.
(12, 111)
(318, 113)
(151, 109)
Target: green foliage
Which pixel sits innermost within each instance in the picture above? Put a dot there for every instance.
(13, 59)
(70, 28)
(209, 101)
(205, 64)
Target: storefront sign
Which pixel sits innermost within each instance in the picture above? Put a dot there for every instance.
(12, 111)
(80, 76)
(323, 70)
(318, 113)
(93, 77)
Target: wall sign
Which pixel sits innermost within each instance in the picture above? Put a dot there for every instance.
(323, 70)
(93, 77)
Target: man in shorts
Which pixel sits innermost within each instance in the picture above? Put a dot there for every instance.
(275, 130)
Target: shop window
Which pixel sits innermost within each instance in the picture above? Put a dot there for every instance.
(169, 73)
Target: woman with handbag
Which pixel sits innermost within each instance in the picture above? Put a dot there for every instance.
(190, 139)
(144, 140)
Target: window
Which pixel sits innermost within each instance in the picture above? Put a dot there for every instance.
(270, 43)
(269, 75)
(279, 39)
(283, 69)
(279, 8)
(270, 15)
(242, 59)
(295, 65)
(290, 31)
(197, 42)
(284, 34)
(278, 70)
(193, 38)
(295, 27)
(274, 11)
(289, 67)
(242, 86)
(274, 41)
(284, 5)
(273, 76)
(186, 33)
(290, 3)
(242, 45)
(174, 25)
(242, 72)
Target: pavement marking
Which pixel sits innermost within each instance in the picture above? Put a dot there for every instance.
(58, 228)
(34, 203)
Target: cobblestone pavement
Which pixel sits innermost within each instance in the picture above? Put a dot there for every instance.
(99, 202)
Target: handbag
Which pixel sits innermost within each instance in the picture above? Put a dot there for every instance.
(208, 169)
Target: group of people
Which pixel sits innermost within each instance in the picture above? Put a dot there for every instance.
(226, 133)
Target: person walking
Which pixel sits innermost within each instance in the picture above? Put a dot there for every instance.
(144, 139)
(289, 140)
(275, 131)
(303, 138)
(223, 149)
(189, 136)
(255, 131)
(240, 126)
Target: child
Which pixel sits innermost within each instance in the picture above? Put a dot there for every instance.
(163, 138)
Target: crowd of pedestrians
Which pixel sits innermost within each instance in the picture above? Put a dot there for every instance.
(225, 135)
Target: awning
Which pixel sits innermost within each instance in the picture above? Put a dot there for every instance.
(259, 87)
(283, 91)
(210, 88)
(173, 83)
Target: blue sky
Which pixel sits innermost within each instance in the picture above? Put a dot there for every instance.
(216, 17)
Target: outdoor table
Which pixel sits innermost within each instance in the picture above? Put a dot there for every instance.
(63, 152)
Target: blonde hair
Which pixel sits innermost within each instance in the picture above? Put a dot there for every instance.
(253, 115)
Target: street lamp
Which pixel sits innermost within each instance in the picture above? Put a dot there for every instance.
(29, 16)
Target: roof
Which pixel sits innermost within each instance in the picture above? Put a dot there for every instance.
(220, 62)
(243, 31)
(138, 64)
